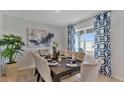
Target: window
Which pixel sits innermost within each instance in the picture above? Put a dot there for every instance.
(86, 38)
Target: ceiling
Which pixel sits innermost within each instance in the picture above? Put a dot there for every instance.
(60, 18)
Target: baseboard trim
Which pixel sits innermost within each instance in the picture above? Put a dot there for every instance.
(118, 78)
(25, 68)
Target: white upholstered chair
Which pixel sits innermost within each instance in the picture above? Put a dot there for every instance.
(89, 71)
(43, 68)
(43, 51)
(34, 53)
(46, 73)
(89, 58)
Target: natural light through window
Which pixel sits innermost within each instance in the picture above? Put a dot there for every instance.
(86, 40)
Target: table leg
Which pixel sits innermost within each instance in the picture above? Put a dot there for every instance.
(55, 77)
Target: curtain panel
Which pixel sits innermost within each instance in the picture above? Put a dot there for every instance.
(102, 25)
(71, 37)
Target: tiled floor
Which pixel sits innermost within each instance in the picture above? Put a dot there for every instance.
(27, 75)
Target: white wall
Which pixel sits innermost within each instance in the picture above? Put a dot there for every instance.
(84, 24)
(117, 41)
(19, 26)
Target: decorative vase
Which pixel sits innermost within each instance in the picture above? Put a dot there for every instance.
(55, 55)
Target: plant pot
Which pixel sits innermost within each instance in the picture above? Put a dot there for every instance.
(11, 69)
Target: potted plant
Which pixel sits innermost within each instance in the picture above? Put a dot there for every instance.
(55, 52)
(55, 45)
(12, 47)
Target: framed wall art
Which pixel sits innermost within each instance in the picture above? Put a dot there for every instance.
(38, 37)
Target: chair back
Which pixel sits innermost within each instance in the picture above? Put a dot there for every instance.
(43, 68)
(68, 53)
(78, 55)
(89, 71)
(89, 58)
(35, 53)
(43, 51)
(62, 52)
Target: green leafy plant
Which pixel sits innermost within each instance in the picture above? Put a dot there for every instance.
(12, 46)
(55, 45)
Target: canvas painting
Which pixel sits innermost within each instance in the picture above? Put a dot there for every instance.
(38, 37)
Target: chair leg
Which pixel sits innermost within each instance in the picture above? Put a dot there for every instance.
(36, 72)
(38, 77)
(42, 79)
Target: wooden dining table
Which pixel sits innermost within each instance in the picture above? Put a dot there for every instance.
(62, 70)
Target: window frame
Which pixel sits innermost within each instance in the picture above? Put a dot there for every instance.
(84, 30)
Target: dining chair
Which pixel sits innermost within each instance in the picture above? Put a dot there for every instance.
(89, 71)
(62, 52)
(43, 51)
(43, 69)
(78, 55)
(36, 71)
(89, 58)
(40, 51)
(68, 53)
(46, 51)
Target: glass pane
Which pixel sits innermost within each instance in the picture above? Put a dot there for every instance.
(86, 40)
(89, 37)
(77, 40)
(82, 39)
(89, 47)
(89, 41)
(82, 45)
(82, 36)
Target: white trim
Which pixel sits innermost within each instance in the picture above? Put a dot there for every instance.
(89, 27)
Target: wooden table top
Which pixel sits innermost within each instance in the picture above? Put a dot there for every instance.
(62, 68)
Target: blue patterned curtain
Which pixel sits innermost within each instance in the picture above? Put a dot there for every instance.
(71, 37)
(102, 27)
